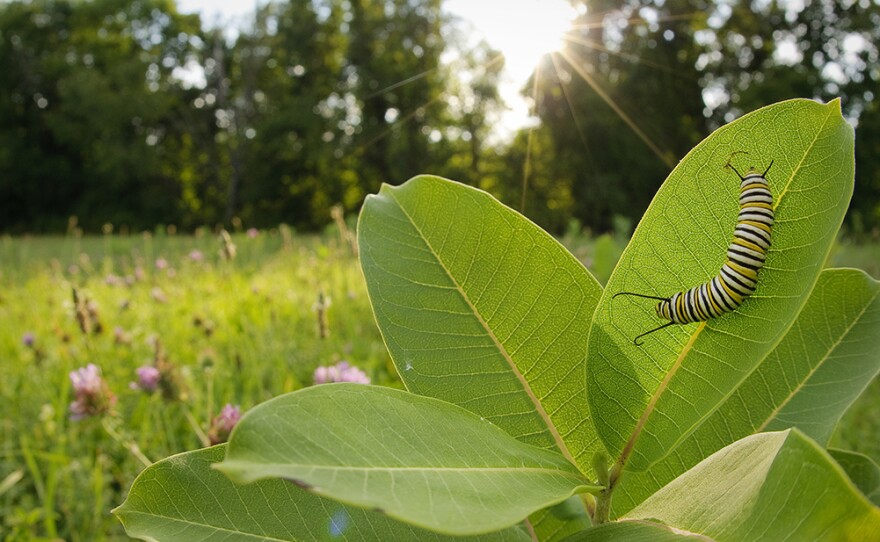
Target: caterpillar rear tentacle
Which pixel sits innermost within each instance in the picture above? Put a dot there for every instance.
(738, 277)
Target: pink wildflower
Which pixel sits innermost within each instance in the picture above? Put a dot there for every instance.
(93, 397)
(120, 336)
(223, 423)
(253, 232)
(161, 263)
(196, 255)
(158, 295)
(341, 372)
(148, 379)
(86, 380)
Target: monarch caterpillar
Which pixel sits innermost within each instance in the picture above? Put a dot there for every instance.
(739, 275)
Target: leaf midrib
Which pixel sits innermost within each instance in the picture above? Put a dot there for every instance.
(257, 465)
(539, 408)
(174, 519)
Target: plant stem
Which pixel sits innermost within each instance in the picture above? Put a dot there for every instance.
(603, 498)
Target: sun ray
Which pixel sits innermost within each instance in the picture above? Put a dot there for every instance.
(590, 44)
(527, 166)
(636, 20)
(663, 156)
(565, 93)
(398, 122)
(401, 120)
(401, 83)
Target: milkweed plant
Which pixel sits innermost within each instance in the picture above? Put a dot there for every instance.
(529, 412)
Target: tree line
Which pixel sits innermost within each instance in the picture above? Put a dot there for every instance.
(133, 114)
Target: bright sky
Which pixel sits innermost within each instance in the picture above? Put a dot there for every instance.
(522, 30)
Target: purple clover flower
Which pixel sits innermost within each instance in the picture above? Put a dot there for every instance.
(93, 397)
(223, 423)
(86, 380)
(196, 255)
(28, 339)
(148, 379)
(341, 372)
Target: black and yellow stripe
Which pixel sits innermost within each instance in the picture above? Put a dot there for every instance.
(739, 275)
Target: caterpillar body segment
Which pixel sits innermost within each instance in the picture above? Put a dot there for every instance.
(738, 277)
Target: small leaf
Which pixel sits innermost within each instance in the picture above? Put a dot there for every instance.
(770, 486)
(417, 459)
(182, 498)
(862, 470)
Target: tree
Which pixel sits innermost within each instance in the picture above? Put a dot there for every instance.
(284, 79)
(394, 73)
(621, 103)
(88, 92)
(473, 107)
(822, 49)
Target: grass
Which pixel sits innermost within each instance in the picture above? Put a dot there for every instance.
(239, 332)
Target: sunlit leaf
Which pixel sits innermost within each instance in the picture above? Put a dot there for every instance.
(770, 486)
(415, 458)
(808, 381)
(481, 308)
(183, 499)
(635, 531)
(647, 400)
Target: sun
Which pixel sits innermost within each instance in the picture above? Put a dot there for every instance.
(523, 30)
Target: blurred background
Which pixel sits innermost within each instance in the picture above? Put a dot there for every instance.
(179, 183)
(193, 113)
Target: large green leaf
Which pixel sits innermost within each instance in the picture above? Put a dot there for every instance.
(417, 459)
(481, 308)
(647, 400)
(182, 498)
(770, 486)
(812, 376)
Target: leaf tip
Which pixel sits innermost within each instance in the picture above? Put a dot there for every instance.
(118, 511)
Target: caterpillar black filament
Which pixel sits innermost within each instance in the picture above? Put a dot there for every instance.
(739, 275)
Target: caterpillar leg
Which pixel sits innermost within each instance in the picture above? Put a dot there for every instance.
(636, 340)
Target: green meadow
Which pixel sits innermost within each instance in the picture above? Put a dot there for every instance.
(237, 331)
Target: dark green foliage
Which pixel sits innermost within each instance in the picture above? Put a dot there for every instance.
(134, 114)
(88, 111)
(641, 74)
